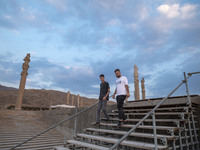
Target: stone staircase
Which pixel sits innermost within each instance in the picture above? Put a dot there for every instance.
(172, 125)
(18, 126)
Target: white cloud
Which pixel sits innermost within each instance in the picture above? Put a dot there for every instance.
(78, 70)
(7, 17)
(15, 31)
(132, 26)
(59, 4)
(113, 22)
(171, 11)
(144, 13)
(21, 9)
(96, 86)
(175, 10)
(188, 11)
(108, 39)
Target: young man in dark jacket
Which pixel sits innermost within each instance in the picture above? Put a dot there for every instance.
(103, 98)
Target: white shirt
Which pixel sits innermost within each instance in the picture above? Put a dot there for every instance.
(120, 84)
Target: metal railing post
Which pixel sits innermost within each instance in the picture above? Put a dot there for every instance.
(154, 131)
(75, 122)
(64, 142)
(191, 114)
(190, 131)
(179, 134)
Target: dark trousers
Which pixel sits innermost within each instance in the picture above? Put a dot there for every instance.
(120, 103)
(102, 105)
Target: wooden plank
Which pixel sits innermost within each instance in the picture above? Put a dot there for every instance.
(141, 126)
(137, 134)
(87, 145)
(142, 114)
(158, 109)
(148, 120)
(60, 148)
(125, 142)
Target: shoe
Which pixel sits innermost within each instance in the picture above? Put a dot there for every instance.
(108, 119)
(124, 121)
(97, 123)
(119, 124)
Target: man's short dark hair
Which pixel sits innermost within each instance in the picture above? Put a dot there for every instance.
(101, 75)
(117, 70)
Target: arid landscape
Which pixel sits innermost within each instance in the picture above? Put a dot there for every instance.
(38, 98)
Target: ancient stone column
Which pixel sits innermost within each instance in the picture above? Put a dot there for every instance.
(50, 101)
(78, 100)
(136, 83)
(81, 103)
(22, 84)
(68, 94)
(143, 88)
(72, 100)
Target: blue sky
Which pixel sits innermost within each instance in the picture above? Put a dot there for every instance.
(72, 42)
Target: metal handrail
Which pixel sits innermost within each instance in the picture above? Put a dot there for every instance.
(53, 126)
(147, 115)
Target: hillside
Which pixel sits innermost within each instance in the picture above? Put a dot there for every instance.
(40, 98)
(5, 88)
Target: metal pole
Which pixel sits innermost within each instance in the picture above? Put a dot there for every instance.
(186, 137)
(179, 133)
(75, 122)
(195, 133)
(190, 130)
(65, 141)
(193, 73)
(154, 131)
(191, 114)
(188, 95)
(144, 118)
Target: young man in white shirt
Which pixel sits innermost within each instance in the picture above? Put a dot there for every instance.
(121, 92)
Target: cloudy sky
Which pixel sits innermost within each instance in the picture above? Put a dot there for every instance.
(72, 42)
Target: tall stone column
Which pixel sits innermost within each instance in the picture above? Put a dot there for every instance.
(136, 83)
(22, 84)
(72, 100)
(68, 94)
(143, 88)
(78, 100)
(81, 103)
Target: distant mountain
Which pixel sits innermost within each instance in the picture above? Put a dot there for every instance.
(40, 98)
(5, 88)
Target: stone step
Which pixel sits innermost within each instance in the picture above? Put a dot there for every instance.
(86, 145)
(15, 142)
(158, 109)
(148, 120)
(39, 146)
(60, 148)
(26, 135)
(143, 114)
(33, 143)
(135, 134)
(141, 126)
(7, 137)
(135, 144)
